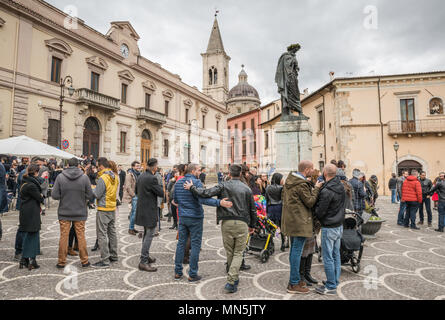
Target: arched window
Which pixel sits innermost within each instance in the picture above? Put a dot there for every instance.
(210, 76)
(436, 106)
(146, 135)
(215, 76)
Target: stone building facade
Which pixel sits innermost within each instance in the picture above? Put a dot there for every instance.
(124, 107)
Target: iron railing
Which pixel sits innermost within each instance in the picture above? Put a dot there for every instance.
(422, 126)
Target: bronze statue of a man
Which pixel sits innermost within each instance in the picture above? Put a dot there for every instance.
(286, 78)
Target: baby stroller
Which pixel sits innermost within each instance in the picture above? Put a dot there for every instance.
(352, 241)
(262, 240)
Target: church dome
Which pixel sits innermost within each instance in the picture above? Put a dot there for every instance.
(243, 89)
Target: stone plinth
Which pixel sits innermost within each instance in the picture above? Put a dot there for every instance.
(294, 144)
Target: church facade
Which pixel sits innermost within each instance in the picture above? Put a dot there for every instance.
(123, 106)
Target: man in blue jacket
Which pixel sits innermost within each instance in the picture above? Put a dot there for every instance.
(191, 216)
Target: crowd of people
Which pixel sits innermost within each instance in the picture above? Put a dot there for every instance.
(414, 192)
(305, 205)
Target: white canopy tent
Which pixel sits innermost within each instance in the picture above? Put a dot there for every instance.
(24, 146)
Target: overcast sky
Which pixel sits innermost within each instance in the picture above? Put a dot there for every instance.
(336, 35)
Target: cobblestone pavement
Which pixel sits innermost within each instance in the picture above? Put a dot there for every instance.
(399, 264)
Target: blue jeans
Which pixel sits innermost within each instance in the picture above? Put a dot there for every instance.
(401, 217)
(330, 246)
(134, 203)
(193, 227)
(411, 210)
(393, 195)
(441, 210)
(296, 249)
(427, 203)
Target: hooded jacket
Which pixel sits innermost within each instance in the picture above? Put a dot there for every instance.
(73, 189)
(298, 199)
(330, 208)
(106, 190)
(412, 190)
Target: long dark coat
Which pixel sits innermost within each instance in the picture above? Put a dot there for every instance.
(147, 190)
(31, 198)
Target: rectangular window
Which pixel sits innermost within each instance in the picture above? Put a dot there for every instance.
(124, 93)
(320, 120)
(56, 68)
(95, 81)
(266, 140)
(244, 148)
(165, 148)
(53, 133)
(268, 114)
(166, 108)
(123, 142)
(217, 126)
(203, 121)
(244, 127)
(147, 101)
(186, 116)
(408, 115)
(236, 131)
(252, 124)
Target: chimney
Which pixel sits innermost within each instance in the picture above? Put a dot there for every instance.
(331, 75)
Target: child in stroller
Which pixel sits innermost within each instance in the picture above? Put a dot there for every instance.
(262, 240)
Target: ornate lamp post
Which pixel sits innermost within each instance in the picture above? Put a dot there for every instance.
(396, 148)
(68, 80)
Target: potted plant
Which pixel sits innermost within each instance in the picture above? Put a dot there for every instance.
(371, 227)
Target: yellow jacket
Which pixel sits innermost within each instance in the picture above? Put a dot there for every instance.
(106, 190)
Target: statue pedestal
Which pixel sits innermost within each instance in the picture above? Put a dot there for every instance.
(294, 144)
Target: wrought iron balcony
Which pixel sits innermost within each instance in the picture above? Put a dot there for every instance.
(97, 99)
(151, 115)
(417, 127)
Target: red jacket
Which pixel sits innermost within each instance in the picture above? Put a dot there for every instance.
(412, 190)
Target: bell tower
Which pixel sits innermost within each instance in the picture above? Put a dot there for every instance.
(215, 62)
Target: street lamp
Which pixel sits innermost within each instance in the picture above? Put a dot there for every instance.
(396, 148)
(63, 83)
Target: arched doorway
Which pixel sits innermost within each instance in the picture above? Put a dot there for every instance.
(91, 137)
(145, 147)
(409, 165)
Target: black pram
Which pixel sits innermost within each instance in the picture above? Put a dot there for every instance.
(352, 241)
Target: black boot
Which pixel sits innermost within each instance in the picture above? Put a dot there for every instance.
(24, 263)
(244, 266)
(283, 243)
(33, 264)
(303, 262)
(174, 226)
(307, 270)
(96, 246)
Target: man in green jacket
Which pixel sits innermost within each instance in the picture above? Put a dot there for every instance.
(298, 199)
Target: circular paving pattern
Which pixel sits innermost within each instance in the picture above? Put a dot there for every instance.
(399, 264)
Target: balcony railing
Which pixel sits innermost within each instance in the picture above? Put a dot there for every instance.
(150, 115)
(423, 126)
(96, 99)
